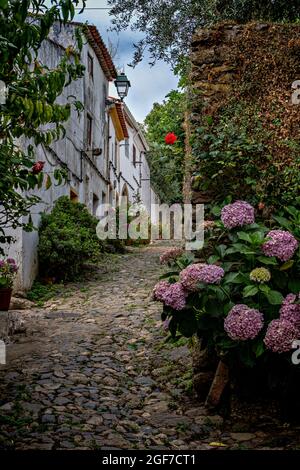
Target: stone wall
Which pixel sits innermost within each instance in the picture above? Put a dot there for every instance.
(255, 64)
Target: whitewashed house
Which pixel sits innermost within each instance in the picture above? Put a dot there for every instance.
(83, 150)
(101, 150)
(117, 138)
(134, 175)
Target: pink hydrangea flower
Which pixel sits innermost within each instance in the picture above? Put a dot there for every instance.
(280, 335)
(9, 265)
(290, 311)
(172, 295)
(191, 276)
(12, 265)
(171, 255)
(243, 323)
(237, 214)
(211, 274)
(282, 244)
(175, 296)
(160, 289)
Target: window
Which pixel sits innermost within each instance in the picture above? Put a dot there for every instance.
(73, 195)
(87, 191)
(127, 148)
(89, 130)
(116, 154)
(91, 66)
(134, 155)
(112, 153)
(95, 204)
(111, 195)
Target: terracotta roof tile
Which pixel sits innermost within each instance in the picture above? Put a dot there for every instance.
(101, 51)
(119, 108)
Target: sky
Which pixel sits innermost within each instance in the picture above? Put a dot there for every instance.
(148, 84)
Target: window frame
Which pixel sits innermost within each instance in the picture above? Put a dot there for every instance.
(90, 67)
(73, 195)
(127, 148)
(134, 155)
(89, 130)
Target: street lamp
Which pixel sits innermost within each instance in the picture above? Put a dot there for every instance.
(122, 84)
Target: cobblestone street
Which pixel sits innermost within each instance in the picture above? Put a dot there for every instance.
(93, 372)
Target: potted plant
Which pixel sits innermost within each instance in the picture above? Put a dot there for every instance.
(8, 270)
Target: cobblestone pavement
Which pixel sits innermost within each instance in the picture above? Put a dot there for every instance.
(93, 372)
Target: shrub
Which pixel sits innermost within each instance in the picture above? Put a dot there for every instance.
(68, 240)
(238, 152)
(8, 270)
(41, 293)
(243, 299)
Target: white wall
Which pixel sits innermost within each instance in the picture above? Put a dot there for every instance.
(138, 176)
(84, 173)
(114, 163)
(130, 173)
(95, 180)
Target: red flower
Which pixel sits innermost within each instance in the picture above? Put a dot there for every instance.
(261, 206)
(170, 138)
(38, 167)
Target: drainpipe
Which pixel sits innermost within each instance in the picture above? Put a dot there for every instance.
(81, 166)
(141, 173)
(107, 147)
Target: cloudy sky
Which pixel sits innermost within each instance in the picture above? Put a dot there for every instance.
(148, 84)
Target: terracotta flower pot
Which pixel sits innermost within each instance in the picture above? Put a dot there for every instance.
(5, 296)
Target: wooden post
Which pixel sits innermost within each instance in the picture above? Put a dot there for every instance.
(188, 163)
(188, 158)
(218, 385)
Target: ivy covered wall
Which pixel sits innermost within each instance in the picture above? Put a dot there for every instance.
(246, 130)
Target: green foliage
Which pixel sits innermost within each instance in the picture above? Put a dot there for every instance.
(289, 219)
(8, 270)
(33, 89)
(268, 10)
(227, 158)
(168, 26)
(238, 252)
(67, 240)
(166, 117)
(40, 293)
(233, 157)
(166, 161)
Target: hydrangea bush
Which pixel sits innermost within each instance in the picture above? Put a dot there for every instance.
(241, 295)
(8, 270)
(170, 255)
(243, 323)
(237, 214)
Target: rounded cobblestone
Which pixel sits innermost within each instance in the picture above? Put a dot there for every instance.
(93, 372)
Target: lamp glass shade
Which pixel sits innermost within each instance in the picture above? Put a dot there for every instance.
(122, 84)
